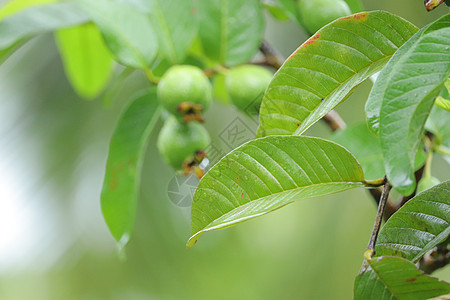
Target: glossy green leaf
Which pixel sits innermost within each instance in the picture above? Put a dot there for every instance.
(266, 174)
(13, 6)
(176, 24)
(403, 96)
(123, 169)
(87, 61)
(417, 227)
(323, 71)
(37, 20)
(127, 30)
(394, 278)
(230, 31)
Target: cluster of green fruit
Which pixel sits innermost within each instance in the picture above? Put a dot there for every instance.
(186, 93)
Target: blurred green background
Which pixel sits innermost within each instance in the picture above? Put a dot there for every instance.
(53, 240)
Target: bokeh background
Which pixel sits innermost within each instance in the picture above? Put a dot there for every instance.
(54, 243)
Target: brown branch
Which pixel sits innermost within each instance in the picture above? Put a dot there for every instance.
(390, 207)
(272, 57)
(334, 121)
(436, 259)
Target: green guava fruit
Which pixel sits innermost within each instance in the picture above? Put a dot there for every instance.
(246, 85)
(317, 13)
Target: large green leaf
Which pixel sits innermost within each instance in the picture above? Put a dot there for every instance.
(37, 20)
(266, 174)
(126, 153)
(394, 278)
(176, 25)
(230, 31)
(87, 62)
(403, 96)
(126, 28)
(321, 72)
(417, 227)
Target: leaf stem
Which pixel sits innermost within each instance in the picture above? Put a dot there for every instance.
(151, 77)
(375, 183)
(376, 227)
(442, 150)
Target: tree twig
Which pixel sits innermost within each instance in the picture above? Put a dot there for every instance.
(390, 208)
(376, 227)
(272, 56)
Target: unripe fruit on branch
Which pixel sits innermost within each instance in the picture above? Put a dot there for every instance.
(182, 145)
(246, 85)
(185, 92)
(317, 13)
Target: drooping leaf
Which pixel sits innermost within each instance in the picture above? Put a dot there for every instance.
(417, 227)
(87, 61)
(14, 6)
(230, 31)
(37, 20)
(403, 96)
(127, 30)
(266, 174)
(323, 71)
(394, 278)
(126, 153)
(176, 24)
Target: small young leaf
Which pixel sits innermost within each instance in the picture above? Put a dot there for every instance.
(417, 227)
(127, 30)
(126, 153)
(269, 173)
(323, 71)
(176, 24)
(230, 31)
(442, 103)
(403, 96)
(37, 20)
(87, 62)
(389, 278)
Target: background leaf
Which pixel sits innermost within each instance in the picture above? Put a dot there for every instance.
(403, 96)
(418, 226)
(13, 6)
(127, 30)
(266, 174)
(355, 5)
(365, 146)
(37, 20)
(438, 124)
(126, 153)
(321, 72)
(87, 61)
(396, 278)
(176, 24)
(230, 31)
